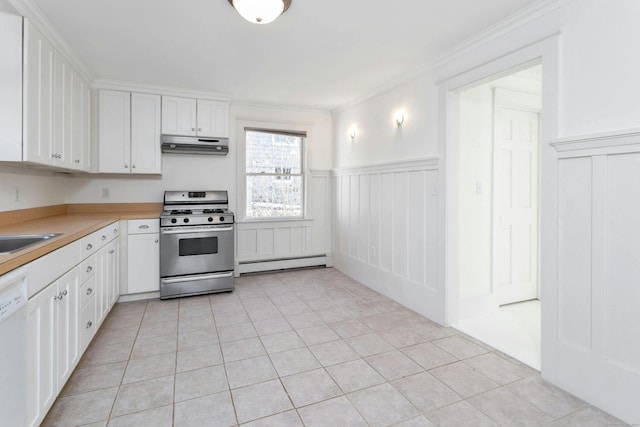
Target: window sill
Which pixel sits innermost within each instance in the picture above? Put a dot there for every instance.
(272, 220)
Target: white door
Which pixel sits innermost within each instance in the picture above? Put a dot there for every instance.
(212, 118)
(515, 254)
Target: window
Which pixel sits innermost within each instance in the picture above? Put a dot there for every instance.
(274, 173)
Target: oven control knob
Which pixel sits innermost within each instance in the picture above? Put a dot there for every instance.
(221, 219)
(210, 219)
(173, 220)
(186, 220)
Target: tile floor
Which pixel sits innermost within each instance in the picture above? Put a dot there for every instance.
(309, 347)
(514, 329)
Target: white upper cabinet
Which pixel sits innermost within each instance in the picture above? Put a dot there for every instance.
(114, 131)
(213, 118)
(55, 107)
(178, 116)
(11, 87)
(146, 156)
(129, 133)
(37, 136)
(191, 117)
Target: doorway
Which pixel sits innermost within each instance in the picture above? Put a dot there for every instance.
(498, 213)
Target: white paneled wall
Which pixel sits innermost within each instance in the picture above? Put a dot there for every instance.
(386, 231)
(291, 239)
(598, 328)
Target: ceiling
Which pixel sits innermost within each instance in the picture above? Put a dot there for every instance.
(320, 54)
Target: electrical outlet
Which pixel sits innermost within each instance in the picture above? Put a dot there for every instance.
(106, 192)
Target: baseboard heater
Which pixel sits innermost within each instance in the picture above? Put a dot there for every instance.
(255, 266)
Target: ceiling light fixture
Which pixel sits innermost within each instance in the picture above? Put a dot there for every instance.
(260, 11)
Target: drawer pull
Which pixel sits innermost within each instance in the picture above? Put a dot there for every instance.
(156, 240)
(112, 251)
(89, 246)
(89, 324)
(64, 293)
(89, 268)
(115, 231)
(58, 297)
(104, 237)
(143, 227)
(89, 291)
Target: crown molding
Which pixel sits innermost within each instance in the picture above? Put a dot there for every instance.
(33, 13)
(511, 23)
(157, 89)
(276, 107)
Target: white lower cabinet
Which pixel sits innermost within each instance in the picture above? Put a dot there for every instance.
(143, 256)
(64, 316)
(52, 349)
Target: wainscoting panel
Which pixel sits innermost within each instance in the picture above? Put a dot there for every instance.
(597, 342)
(386, 231)
(265, 245)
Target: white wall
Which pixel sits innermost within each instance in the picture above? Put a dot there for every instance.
(35, 188)
(598, 93)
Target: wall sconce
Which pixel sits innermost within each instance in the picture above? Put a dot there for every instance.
(352, 133)
(399, 118)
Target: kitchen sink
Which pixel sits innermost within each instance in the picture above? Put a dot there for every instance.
(13, 243)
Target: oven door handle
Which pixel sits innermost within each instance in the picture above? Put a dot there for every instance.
(200, 230)
(202, 277)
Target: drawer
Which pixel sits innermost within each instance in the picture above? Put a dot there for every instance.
(87, 268)
(143, 226)
(87, 291)
(88, 245)
(87, 325)
(107, 234)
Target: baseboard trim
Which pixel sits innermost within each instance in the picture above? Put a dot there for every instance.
(140, 296)
(282, 264)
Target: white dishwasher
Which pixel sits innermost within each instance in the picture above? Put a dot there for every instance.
(13, 348)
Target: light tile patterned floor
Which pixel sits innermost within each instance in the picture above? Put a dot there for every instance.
(309, 347)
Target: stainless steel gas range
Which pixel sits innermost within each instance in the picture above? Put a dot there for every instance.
(196, 243)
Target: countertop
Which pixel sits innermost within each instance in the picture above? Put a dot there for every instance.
(72, 225)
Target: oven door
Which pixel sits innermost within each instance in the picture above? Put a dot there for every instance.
(196, 250)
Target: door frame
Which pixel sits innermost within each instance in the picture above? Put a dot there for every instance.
(545, 51)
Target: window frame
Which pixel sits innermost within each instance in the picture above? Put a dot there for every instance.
(277, 127)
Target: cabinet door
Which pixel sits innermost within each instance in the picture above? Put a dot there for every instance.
(85, 90)
(113, 283)
(38, 97)
(213, 117)
(11, 77)
(102, 279)
(114, 133)
(78, 141)
(41, 354)
(68, 332)
(178, 116)
(63, 100)
(143, 263)
(146, 156)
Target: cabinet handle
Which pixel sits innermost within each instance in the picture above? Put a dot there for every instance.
(57, 297)
(89, 246)
(104, 237)
(143, 227)
(89, 324)
(77, 161)
(126, 166)
(89, 291)
(112, 251)
(53, 155)
(133, 166)
(193, 129)
(89, 268)
(115, 231)
(199, 129)
(64, 293)
(156, 240)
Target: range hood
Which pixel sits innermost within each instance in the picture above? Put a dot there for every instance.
(195, 145)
